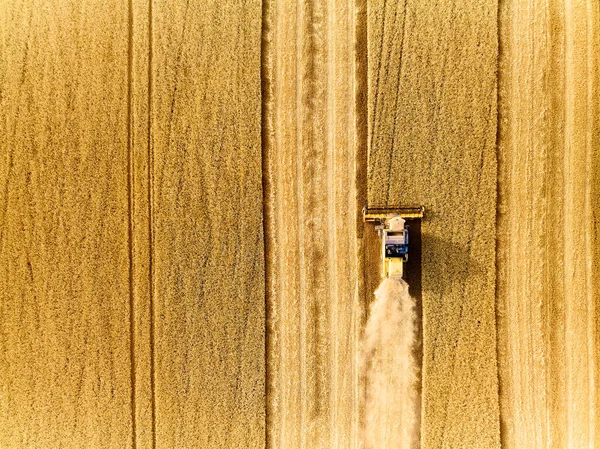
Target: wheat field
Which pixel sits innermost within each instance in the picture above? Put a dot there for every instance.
(183, 260)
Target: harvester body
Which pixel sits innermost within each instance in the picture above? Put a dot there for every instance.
(393, 232)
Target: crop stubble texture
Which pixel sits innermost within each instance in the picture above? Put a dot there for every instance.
(65, 372)
(310, 211)
(548, 217)
(432, 140)
(131, 225)
(206, 236)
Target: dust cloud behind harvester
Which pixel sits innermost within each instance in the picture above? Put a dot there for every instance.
(390, 365)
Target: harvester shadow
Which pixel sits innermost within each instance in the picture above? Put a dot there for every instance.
(447, 260)
(448, 263)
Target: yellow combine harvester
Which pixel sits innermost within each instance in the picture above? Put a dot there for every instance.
(393, 231)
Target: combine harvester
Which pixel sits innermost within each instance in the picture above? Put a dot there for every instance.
(390, 340)
(393, 231)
